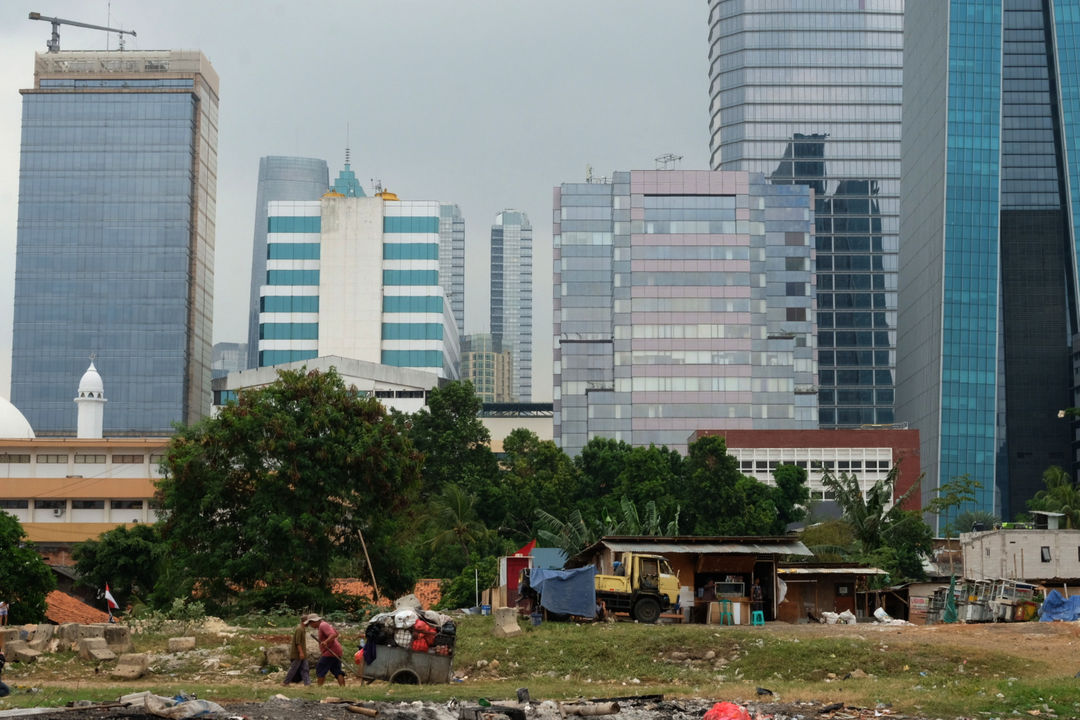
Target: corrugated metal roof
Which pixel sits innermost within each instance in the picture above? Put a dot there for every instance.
(783, 547)
(829, 571)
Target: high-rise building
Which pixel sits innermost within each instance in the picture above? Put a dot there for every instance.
(488, 369)
(682, 300)
(115, 249)
(988, 294)
(452, 261)
(356, 277)
(280, 178)
(810, 94)
(511, 296)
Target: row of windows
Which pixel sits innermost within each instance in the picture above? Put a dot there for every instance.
(843, 301)
(289, 303)
(121, 83)
(855, 416)
(852, 320)
(62, 458)
(855, 397)
(411, 251)
(412, 331)
(411, 225)
(292, 277)
(268, 358)
(410, 277)
(294, 224)
(855, 357)
(75, 504)
(288, 331)
(412, 304)
(292, 251)
(854, 339)
(831, 378)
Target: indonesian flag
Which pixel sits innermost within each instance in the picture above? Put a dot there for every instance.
(110, 599)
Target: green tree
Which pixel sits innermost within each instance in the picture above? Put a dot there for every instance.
(791, 496)
(128, 559)
(830, 541)
(270, 491)
(537, 474)
(967, 520)
(1061, 495)
(454, 443)
(453, 516)
(461, 591)
(951, 495)
(24, 576)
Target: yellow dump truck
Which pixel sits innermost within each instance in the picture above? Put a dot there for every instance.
(642, 585)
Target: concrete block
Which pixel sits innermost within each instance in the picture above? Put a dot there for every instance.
(9, 635)
(43, 636)
(118, 638)
(101, 654)
(277, 656)
(506, 622)
(68, 631)
(180, 644)
(97, 630)
(87, 645)
(24, 655)
(131, 666)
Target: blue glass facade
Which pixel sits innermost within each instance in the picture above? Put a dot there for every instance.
(280, 178)
(999, 273)
(115, 243)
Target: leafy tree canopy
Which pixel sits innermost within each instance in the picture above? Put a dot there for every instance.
(270, 491)
(1061, 495)
(537, 475)
(454, 443)
(128, 559)
(24, 576)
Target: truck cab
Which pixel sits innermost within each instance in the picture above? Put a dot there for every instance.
(642, 585)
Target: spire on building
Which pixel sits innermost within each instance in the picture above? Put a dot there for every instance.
(91, 401)
(346, 183)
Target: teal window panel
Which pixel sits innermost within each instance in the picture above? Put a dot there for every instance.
(412, 331)
(410, 224)
(290, 303)
(292, 277)
(289, 331)
(410, 277)
(411, 251)
(412, 358)
(412, 304)
(278, 357)
(292, 251)
(283, 224)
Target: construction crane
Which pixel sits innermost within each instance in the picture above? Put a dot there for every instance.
(54, 41)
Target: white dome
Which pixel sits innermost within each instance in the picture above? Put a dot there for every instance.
(91, 384)
(13, 426)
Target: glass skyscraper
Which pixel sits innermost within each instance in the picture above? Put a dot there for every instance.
(809, 93)
(280, 178)
(115, 249)
(511, 296)
(988, 295)
(682, 300)
(452, 261)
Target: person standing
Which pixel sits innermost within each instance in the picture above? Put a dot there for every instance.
(331, 649)
(3, 612)
(757, 597)
(299, 670)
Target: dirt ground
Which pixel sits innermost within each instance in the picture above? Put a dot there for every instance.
(1031, 641)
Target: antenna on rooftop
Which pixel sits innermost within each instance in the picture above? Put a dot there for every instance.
(668, 161)
(346, 143)
(54, 42)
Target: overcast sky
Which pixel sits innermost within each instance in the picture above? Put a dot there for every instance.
(487, 104)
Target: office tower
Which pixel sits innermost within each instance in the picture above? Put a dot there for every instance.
(452, 261)
(228, 357)
(988, 293)
(810, 94)
(683, 300)
(487, 368)
(356, 277)
(511, 296)
(115, 248)
(280, 178)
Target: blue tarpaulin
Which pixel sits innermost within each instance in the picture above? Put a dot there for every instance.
(567, 592)
(1057, 607)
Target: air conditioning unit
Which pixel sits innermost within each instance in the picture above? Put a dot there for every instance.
(58, 512)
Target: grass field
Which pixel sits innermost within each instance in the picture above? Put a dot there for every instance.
(969, 671)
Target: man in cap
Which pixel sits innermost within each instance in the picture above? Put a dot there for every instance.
(299, 669)
(330, 662)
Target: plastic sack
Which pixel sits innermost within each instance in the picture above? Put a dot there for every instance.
(727, 711)
(164, 707)
(847, 618)
(882, 616)
(405, 619)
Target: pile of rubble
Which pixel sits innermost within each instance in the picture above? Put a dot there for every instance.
(94, 642)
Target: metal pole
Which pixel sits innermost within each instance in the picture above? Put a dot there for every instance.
(374, 582)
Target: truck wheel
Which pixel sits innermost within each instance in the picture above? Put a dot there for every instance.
(647, 610)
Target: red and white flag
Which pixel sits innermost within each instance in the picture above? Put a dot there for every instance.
(110, 599)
